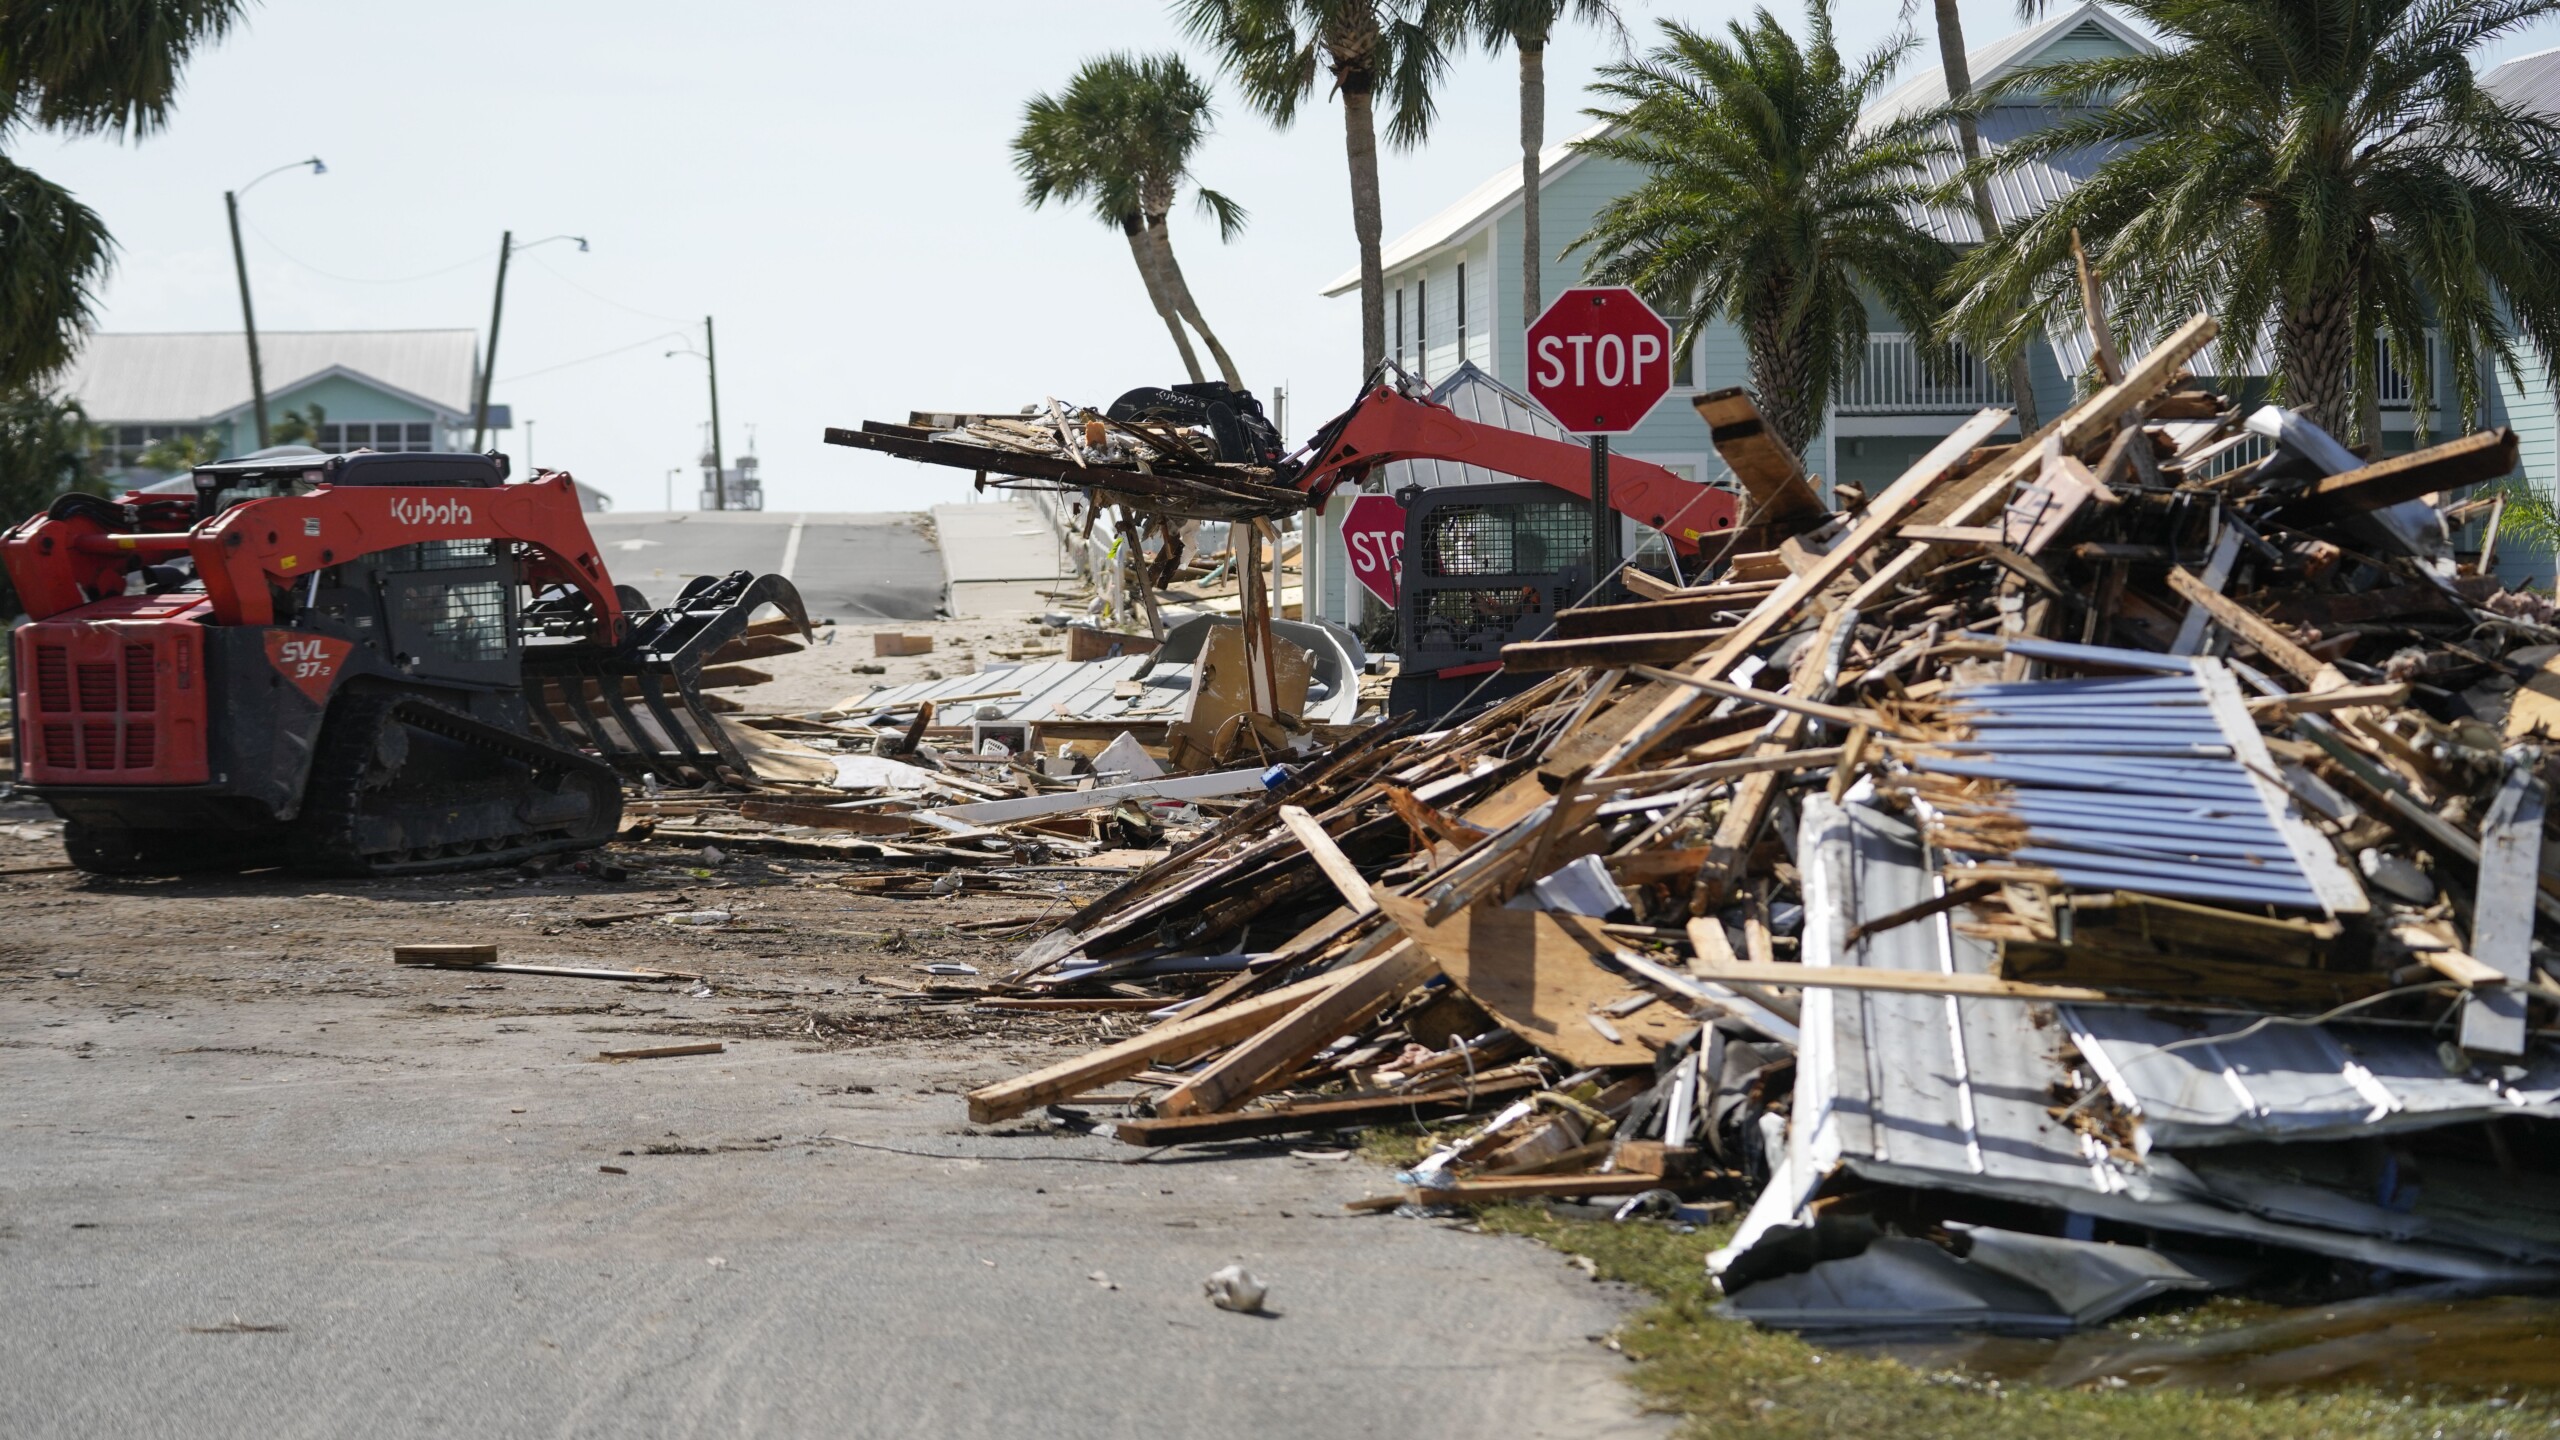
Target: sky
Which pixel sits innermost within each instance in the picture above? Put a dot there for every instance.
(832, 182)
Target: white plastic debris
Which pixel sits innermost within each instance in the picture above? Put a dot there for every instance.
(700, 917)
(950, 967)
(1235, 1288)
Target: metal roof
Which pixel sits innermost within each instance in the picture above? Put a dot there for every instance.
(1950, 1093)
(1926, 88)
(2531, 82)
(199, 376)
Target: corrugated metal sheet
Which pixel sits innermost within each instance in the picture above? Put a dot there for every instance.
(197, 376)
(1937, 1092)
(2141, 783)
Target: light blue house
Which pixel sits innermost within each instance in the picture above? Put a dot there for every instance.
(1453, 290)
(373, 389)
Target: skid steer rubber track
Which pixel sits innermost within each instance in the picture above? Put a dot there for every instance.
(404, 786)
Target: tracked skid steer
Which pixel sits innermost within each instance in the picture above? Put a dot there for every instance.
(378, 664)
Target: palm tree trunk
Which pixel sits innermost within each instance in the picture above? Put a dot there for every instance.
(1144, 255)
(1959, 73)
(1778, 377)
(1360, 141)
(2316, 345)
(1179, 290)
(1533, 141)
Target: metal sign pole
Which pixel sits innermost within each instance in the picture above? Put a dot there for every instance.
(1604, 522)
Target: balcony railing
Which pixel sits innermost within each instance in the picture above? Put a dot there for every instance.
(1899, 378)
(2394, 384)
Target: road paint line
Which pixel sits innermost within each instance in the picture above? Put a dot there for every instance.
(791, 547)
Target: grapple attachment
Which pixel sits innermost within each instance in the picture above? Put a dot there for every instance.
(639, 705)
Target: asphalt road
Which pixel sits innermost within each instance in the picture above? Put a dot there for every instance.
(851, 567)
(257, 1182)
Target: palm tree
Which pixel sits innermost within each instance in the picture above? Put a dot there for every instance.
(1765, 203)
(77, 67)
(2322, 172)
(1120, 136)
(1275, 48)
(1525, 26)
(1958, 69)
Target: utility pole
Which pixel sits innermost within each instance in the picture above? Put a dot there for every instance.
(248, 318)
(497, 308)
(719, 476)
(489, 365)
(240, 267)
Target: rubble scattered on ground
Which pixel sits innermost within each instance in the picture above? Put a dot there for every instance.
(2095, 867)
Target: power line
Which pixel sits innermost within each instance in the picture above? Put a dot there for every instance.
(295, 260)
(609, 300)
(599, 355)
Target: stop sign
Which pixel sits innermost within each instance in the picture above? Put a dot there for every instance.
(1599, 359)
(1373, 533)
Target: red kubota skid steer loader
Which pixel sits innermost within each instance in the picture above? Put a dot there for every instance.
(375, 664)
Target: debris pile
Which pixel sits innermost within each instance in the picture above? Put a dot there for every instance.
(2096, 866)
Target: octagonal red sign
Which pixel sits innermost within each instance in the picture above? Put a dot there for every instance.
(1599, 359)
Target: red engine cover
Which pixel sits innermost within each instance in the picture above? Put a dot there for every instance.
(113, 694)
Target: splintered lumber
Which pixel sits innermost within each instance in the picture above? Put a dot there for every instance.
(1608, 651)
(1318, 1115)
(1679, 610)
(2231, 615)
(1901, 982)
(664, 1052)
(819, 816)
(2488, 455)
(1337, 867)
(1677, 707)
(1349, 1001)
(1174, 1040)
(1537, 981)
(1770, 472)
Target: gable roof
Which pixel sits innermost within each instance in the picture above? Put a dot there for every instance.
(2531, 82)
(1926, 88)
(198, 376)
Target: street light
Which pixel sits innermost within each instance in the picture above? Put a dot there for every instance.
(489, 366)
(709, 355)
(240, 264)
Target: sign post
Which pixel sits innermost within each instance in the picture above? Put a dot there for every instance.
(1599, 361)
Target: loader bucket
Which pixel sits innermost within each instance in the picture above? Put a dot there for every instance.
(639, 705)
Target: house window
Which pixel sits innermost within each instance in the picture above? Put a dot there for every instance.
(121, 447)
(1399, 325)
(383, 435)
(1462, 312)
(1422, 330)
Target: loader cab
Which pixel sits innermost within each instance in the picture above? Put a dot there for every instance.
(1484, 565)
(226, 483)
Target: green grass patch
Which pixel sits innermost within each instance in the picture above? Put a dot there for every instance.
(1728, 1378)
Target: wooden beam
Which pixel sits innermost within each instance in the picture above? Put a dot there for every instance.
(1843, 715)
(2271, 642)
(1337, 867)
(1321, 1114)
(1351, 998)
(1771, 474)
(1903, 982)
(1681, 610)
(1608, 651)
(2487, 455)
(1176, 1039)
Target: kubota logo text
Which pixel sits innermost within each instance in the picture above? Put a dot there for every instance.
(430, 512)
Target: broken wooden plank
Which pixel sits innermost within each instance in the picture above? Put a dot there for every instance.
(819, 816)
(664, 1052)
(1102, 797)
(1608, 651)
(2231, 615)
(2473, 459)
(1337, 867)
(1174, 1040)
(1352, 998)
(1318, 1115)
(1771, 474)
(465, 955)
